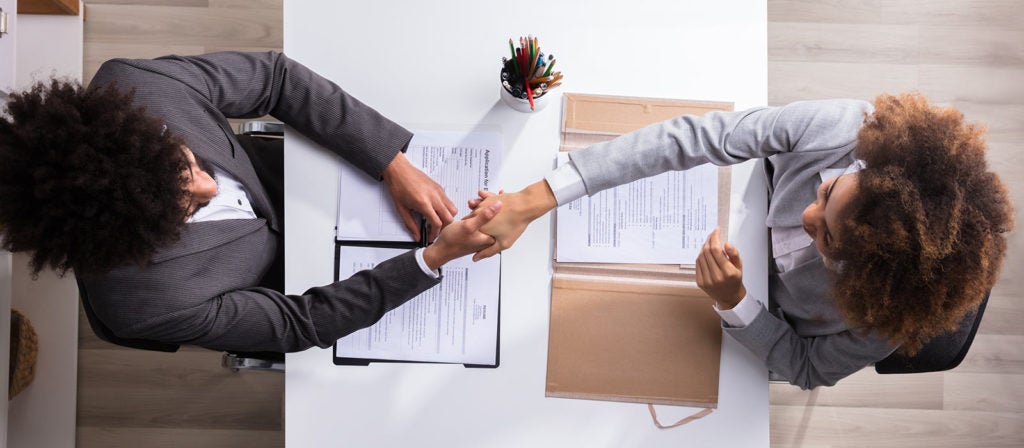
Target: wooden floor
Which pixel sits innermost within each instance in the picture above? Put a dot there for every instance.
(966, 53)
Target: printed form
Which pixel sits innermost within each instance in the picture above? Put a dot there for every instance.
(662, 219)
(462, 163)
(453, 322)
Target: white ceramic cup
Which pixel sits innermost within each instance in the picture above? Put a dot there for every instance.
(523, 105)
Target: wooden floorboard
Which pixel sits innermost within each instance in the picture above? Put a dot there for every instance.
(185, 389)
(122, 437)
(867, 389)
(825, 426)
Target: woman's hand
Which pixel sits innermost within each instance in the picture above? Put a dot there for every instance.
(519, 210)
(720, 272)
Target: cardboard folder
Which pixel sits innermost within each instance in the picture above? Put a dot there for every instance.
(632, 332)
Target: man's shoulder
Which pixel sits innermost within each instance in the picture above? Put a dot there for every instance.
(141, 73)
(200, 267)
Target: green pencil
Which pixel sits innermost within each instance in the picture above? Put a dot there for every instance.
(548, 71)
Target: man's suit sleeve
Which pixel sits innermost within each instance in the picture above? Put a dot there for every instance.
(318, 317)
(248, 85)
(248, 318)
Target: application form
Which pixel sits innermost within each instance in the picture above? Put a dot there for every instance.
(453, 322)
(662, 219)
(461, 162)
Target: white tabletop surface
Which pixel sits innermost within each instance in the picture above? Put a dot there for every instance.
(435, 65)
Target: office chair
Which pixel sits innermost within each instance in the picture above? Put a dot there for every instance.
(943, 352)
(235, 361)
(258, 128)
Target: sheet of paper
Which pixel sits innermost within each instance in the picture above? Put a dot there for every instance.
(662, 219)
(462, 163)
(453, 322)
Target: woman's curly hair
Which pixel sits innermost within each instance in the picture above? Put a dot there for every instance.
(927, 224)
(88, 182)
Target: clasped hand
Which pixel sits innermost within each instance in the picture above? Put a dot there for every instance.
(519, 210)
(462, 237)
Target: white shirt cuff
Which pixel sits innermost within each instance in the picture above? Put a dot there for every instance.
(566, 183)
(742, 314)
(423, 264)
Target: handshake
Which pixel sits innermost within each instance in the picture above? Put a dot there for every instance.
(499, 218)
(497, 221)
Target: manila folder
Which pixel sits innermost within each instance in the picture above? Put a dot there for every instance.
(633, 342)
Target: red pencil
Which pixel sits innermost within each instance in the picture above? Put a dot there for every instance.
(529, 93)
(522, 62)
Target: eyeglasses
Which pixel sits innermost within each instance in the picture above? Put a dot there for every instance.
(857, 165)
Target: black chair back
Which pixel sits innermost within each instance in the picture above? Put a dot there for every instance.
(944, 352)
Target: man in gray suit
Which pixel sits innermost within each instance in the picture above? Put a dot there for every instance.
(138, 185)
(886, 225)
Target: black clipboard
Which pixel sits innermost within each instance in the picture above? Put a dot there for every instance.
(349, 361)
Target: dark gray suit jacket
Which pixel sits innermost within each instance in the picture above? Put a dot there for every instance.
(808, 342)
(202, 290)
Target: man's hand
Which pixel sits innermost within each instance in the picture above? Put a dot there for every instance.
(720, 272)
(461, 238)
(520, 209)
(414, 191)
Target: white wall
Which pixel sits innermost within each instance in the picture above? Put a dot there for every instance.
(48, 45)
(43, 415)
(7, 47)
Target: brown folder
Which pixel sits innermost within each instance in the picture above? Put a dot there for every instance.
(632, 332)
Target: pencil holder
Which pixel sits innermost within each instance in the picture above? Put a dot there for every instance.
(523, 104)
(527, 77)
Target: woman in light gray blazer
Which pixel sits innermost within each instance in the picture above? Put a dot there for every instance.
(886, 225)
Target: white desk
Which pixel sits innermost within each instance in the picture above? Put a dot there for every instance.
(435, 65)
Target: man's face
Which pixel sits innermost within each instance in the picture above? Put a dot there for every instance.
(199, 182)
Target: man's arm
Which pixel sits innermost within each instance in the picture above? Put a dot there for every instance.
(154, 304)
(245, 85)
(414, 191)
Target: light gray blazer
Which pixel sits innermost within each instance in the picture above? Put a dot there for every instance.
(202, 290)
(808, 342)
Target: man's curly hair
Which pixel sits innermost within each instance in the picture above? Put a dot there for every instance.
(926, 225)
(88, 181)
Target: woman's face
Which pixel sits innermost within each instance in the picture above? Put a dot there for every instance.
(821, 218)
